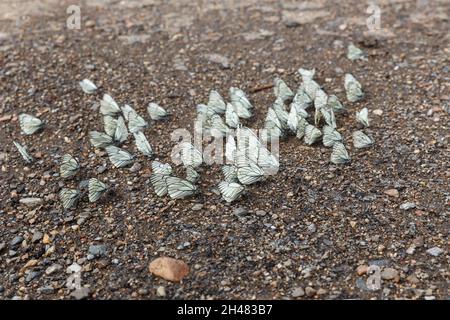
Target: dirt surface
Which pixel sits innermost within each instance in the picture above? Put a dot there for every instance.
(309, 232)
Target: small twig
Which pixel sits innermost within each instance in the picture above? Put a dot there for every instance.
(261, 88)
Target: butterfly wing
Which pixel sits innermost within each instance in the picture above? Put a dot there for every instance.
(353, 88)
(96, 189)
(179, 188)
(69, 197)
(312, 134)
(142, 144)
(339, 155)
(100, 139)
(156, 112)
(121, 133)
(119, 157)
(23, 152)
(88, 86)
(230, 173)
(29, 124)
(108, 107)
(159, 184)
(216, 102)
(361, 140)
(160, 168)
(363, 117)
(230, 190)
(282, 90)
(69, 166)
(249, 174)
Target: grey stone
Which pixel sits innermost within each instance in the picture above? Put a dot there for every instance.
(46, 290)
(97, 250)
(31, 202)
(81, 293)
(53, 268)
(389, 274)
(32, 275)
(260, 213)
(298, 292)
(310, 292)
(16, 241)
(240, 212)
(2, 246)
(435, 251)
(37, 236)
(407, 205)
(197, 207)
(312, 228)
(135, 167)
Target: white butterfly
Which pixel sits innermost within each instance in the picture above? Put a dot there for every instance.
(241, 109)
(363, 117)
(216, 122)
(320, 101)
(159, 184)
(230, 173)
(121, 133)
(205, 112)
(334, 103)
(231, 117)
(311, 87)
(136, 123)
(293, 118)
(312, 134)
(230, 190)
(330, 136)
(355, 53)
(179, 188)
(339, 155)
(301, 127)
(237, 94)
(273, 124)
(69, 166)
(161, 168)
(142, 144)
(361, 140)
(306, 74)
(110, 125)
(126, 111)
(88, 86)
(267, 161)
(230, 148)
(119, 157)
(216, 102)
(29, 124)
(353, 88)
(281, 113)
(301, 111)
(156, 112)
(96, 189)
(282, 91)
(69, 197)
(108, 107)
(191, 175)
(328, 115)
(23, 152)
(100, 139)
(249, 173)
(301, 98)
(190, 156)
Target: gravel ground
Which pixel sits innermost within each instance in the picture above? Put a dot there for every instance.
(310, 232)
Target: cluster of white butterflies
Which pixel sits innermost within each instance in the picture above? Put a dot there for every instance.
(119, 122)
(28, 125)
(248, 160)
(69, 197)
